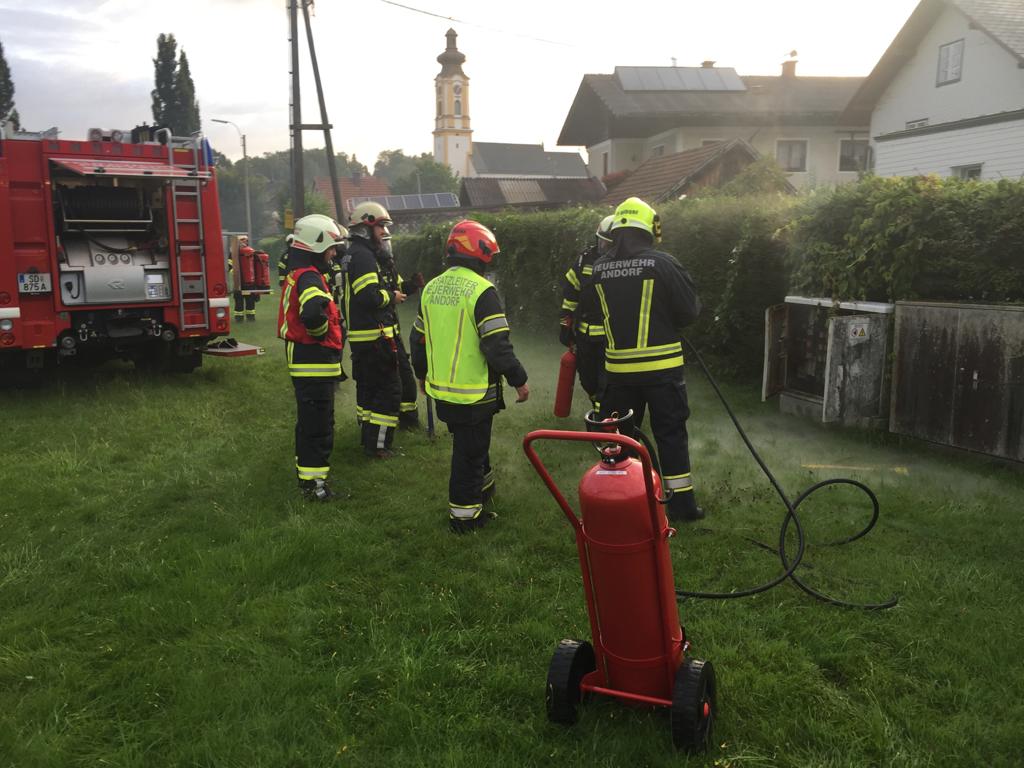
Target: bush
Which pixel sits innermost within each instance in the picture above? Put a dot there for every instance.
(886, 239)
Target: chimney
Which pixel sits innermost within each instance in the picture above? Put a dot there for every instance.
(707, 64)
(789, 68)
(357, 175)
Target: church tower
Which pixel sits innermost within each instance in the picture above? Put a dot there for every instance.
(453, 138)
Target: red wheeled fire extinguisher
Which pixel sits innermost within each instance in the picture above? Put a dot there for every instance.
(639, 650)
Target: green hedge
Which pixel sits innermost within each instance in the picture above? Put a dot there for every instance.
(727, 244)
(885, 239)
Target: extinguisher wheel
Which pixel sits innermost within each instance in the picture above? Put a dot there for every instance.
(570, 662)
(693, 705)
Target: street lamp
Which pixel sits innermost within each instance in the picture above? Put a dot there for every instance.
(245, 159)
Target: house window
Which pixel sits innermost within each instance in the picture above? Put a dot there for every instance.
(966, 172)
(658, 151)
(921, 122)
(458, 107)
(792, 154)
(951, 62)
(853, 155)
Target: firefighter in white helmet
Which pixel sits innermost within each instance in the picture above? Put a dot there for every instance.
(310, 324)
(371, 319)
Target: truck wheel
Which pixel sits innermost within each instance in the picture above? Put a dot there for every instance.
(693, 705)
(571, 661)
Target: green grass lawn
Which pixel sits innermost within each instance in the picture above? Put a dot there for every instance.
(166, 598)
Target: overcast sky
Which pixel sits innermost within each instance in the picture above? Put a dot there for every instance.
(78, 64)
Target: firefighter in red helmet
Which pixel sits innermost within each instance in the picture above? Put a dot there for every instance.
(371, 319)
(310, 324)
(460, 364)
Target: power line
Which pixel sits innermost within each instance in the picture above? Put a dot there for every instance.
(479, 26)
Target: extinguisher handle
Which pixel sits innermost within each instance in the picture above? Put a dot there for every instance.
(586, 437)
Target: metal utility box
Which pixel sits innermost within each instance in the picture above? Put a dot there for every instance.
(958, 378)
(828, 359)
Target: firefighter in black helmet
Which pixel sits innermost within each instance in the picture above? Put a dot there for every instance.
(646, 298)
(370, 307)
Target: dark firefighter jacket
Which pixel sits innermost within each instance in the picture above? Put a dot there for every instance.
(309, 321)
(368, 301)
(645, 298)
(333, 273)
(576, 277)
(492, 331)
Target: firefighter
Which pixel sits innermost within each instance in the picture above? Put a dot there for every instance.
(245, 300)
(646, 298)
(310, 324)
(460, 365)
(370, 307)
(586, 334)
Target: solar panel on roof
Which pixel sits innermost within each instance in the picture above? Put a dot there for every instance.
(411, 202)
(679, 79)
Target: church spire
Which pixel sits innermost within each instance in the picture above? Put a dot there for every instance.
(451, 59)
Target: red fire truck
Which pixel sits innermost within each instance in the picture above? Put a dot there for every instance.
(109, 247)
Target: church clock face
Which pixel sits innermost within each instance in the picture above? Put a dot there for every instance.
(457, 89)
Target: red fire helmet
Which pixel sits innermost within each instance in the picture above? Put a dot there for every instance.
(473, 239)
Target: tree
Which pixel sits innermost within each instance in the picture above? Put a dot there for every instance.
(164, 66)
(409, 175)
(427, 176)
(174, 97)
(187, 107)
(7, 110)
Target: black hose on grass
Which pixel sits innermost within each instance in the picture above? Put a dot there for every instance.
(791, 516)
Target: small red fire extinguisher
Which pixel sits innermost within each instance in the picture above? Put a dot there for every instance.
(566, 384)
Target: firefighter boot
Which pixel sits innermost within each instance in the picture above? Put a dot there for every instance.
(682, 507)
(316, 490)
(468, 519)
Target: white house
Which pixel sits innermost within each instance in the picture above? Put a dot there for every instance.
(947, 96)
(638, 113)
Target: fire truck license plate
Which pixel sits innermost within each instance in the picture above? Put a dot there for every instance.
(34, 282)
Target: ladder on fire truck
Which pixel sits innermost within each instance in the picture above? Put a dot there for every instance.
(193, 290)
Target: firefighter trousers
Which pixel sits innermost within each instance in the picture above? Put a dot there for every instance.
(378, 392)
(471, 481)
(590, 366)
(245, 305)
(408, 415)
(314, 426)
(669, 411)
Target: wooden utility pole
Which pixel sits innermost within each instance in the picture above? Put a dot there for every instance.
(298, 183)
(297, 126)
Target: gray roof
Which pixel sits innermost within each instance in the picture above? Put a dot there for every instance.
(496, 193)
(526, 160)
(1002, 20)
(603, 109)
(679, 79)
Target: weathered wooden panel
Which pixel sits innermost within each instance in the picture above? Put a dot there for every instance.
(855, 376)
(773, 378)
(922, 381)
(959, 376)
